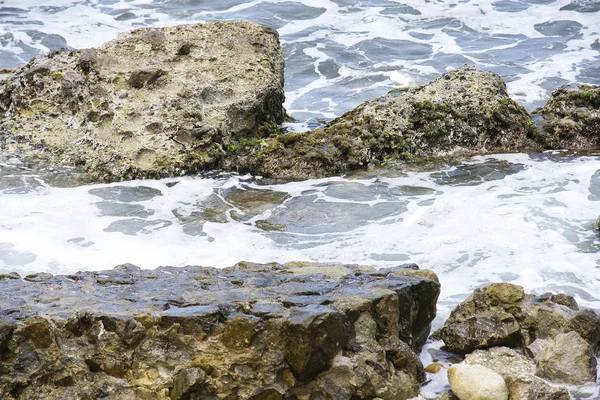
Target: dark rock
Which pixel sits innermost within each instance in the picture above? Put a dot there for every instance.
(256, 331)
(502, 314)
(571, 118)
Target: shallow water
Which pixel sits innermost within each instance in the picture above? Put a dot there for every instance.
(525, 219)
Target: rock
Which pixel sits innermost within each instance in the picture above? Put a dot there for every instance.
(501, 314)
(506, 362)
(252, 331)
(465, 111)
(518, 373)
(534, 388)
(571, 118)
(476, 382)
(152, 103)
(568, 358)
(434, 368)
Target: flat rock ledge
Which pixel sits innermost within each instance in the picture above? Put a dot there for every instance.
(251, 331)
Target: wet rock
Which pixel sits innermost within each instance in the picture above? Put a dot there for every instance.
(124, 111)
(465, 111)
(476, 382)
(534, 388)
(571, 118)
(568, 358)
(254, 331)
(502, 314)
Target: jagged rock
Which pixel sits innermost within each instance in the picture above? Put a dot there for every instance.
(571, 118)
(467, 110)
(252, 331)
(152, 103)
(476, 382)
(502, 314)
(568, 358)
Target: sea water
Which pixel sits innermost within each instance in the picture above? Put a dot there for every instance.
(520, 218)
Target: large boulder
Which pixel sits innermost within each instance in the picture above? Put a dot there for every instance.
(152, 103)
(252, 331)
(501, 314)
(571, 118)
(465, 111)
(568, 359)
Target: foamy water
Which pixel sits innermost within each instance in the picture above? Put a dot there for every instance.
(525, 219)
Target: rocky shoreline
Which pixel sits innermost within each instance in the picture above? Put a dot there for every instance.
(175, 101)
(180, 100)
(252, 331)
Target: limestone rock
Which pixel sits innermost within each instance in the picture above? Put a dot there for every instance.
(502, 314)
(152, 103)
(568, 358)
(465, 111)
(518, 373)
(506, 362)
(251, 331)
(476, 382)
(571, 118)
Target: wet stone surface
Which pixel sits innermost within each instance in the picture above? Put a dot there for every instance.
(248, 331)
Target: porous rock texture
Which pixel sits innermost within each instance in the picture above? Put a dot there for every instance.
(152, 103)
(501, 314)
(571, 118)
(465, 111)
(252, 331)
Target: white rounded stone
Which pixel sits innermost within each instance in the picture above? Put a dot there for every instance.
(476, 382)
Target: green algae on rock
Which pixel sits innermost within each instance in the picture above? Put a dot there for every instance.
(571, 118)
(152, 103)
(466, 111)
(252, 331)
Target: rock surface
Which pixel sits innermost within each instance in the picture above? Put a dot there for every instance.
(467, 110)
(518, 372)
(501, 314)
(567, 359)
(571, 118)
(252, 331)
(476, 382)
(152, 103)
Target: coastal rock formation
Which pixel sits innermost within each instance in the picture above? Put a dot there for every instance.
(252, 331)
(571, 118)
(465, 111)
(152, 103)
(501, 314)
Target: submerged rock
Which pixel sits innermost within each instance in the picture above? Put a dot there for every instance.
(252, 331)
(571, 118)
(476, 382)
(501, 314)
(152, 103)
(467, 110)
